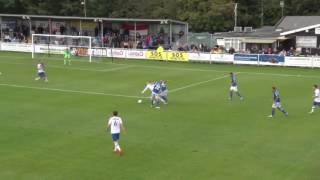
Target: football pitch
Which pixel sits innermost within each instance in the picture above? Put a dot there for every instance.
(57, 130)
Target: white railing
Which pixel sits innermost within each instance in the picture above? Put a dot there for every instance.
(252, 59)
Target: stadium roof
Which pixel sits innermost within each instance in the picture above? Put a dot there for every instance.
(164, 21)
(264, 32)
(289, 23)
(286, 26)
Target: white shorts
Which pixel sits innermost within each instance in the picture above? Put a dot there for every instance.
(164, 93)
(234, 88)
(276, 105)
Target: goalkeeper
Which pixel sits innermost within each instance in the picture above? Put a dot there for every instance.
(67, 56)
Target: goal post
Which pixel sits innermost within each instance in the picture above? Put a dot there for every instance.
(56, 45)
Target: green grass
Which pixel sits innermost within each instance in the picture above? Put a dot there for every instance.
(56, 130)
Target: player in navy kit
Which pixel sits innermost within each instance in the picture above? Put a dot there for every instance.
(276, 103)
(155, 100)
(164, 91)
(234, 86)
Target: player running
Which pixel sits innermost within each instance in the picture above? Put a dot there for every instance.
(115, 125)
(316, 101)
(149, 86)
(67, 57)
(234, 86)
(155, 99)
(164, 91)
(276, 103)
(41, 72)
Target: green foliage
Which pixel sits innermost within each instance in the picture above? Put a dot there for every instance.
(202, 15)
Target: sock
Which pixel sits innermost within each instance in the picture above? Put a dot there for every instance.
(64, 61)
(313, 108)
(273, 111)
(115, 146)
(282, 110)
(118, 147)
(231, 94)
(239, 94)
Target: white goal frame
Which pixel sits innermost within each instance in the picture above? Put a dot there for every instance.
(62, 36)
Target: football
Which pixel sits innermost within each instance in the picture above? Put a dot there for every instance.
(139, 101)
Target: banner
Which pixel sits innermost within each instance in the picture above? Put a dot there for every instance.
(118, 53)
(316, 62)
(178, 56)
(99, 52)
(222, 58)
(306, 41)
(298, 61)
(19, 47)
(136, 54)
(269, 59)
(49, 49)
(246, 59)
(9, 24)
(254, 59)
(199, 56)
(154, 55)
(141, 29)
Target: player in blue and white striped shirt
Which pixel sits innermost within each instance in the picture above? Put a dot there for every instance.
(164, 91)
(155, 100)
(234, 86)
(276, 103)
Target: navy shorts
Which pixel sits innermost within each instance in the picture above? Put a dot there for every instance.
(115, 137)
(316, 103)
(42, 74)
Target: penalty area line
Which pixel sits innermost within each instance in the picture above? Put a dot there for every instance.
(197, 84)
(71, 91)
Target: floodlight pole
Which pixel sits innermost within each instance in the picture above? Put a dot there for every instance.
(102, 33)
(83, 2)
(135, 33)
(235, 14)
(170, 29)
(1, 29)
(282, 8)
(262, 13)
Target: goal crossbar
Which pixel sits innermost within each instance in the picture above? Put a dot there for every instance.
(62, 36)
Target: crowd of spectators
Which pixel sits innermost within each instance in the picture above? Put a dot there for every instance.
(123, 39)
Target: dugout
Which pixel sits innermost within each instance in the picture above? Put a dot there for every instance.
(106, 32)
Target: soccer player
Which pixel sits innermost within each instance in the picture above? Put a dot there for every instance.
(41, 72)
(67, 56)
(316, 101)
(234, 86)
(149, 86)
(276, 103)
(164, 91)
(115, 125)
(155, 100)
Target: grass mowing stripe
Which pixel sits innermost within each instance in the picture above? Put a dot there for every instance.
(81, 69)
(196, 84)
(71, 91)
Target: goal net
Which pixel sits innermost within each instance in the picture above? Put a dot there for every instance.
(54, 46)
